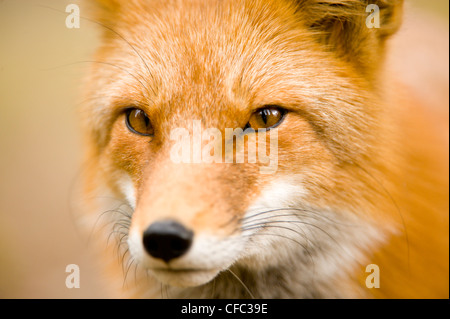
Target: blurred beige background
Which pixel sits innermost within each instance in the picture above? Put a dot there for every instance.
(40, 150)
(40, 146)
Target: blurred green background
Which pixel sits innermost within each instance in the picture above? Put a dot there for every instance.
(40, 145)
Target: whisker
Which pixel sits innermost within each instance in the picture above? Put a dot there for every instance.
(167, 291)
(242, 283)
(113, 31)
(288, 238)
(268, 224)
(264, 224)
(122, 99)
(104, 63)
(312, 214)
(213, 288)
(135, 273)
(118, 229)
(131, 261)
(123, 257)
(109, 211)
(397, 207)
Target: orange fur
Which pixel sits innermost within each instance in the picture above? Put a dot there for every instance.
(364, 148)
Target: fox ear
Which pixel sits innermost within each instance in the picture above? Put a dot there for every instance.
(349, 28)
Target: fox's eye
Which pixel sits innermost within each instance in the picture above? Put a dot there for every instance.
(138, 122)
(267, 117)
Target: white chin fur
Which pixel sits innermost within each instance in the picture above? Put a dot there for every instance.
(207, 256)
(184, 278)
(320, 244)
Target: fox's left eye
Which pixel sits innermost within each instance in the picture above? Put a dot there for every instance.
(138, 122)
(266, 117)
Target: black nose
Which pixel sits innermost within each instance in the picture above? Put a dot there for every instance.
(167, 240)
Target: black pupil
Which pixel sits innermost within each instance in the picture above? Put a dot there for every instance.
(147, 121)
(138, 122)
(264, 115)
(140, 115)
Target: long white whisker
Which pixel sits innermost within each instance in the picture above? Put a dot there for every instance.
(242, 283)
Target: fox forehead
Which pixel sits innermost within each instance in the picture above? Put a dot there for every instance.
(229, 46)
(219, 60)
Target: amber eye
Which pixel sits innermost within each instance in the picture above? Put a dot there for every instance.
(138, 122)
(267, 117)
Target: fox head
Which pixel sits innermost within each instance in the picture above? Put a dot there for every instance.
(307, 74)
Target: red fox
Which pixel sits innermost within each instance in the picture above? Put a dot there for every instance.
(356, 202)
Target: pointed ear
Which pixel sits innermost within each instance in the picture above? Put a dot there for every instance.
(347, 28)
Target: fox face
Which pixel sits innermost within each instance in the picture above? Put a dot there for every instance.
(301, 76)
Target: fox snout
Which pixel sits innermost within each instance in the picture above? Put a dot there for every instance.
(186, 242)
(167, 239)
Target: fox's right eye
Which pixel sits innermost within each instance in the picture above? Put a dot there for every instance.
(138, 122)
(266, 118)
